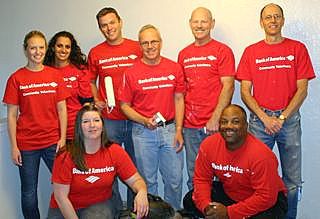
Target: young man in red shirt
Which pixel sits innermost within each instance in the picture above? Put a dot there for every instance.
(110, 59)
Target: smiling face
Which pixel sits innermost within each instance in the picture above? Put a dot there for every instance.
(150, 42)
(92, 125)
(111, 27)
(272, 20)
(35, 50)
(233, 126)
(201, 24)
(62, 50)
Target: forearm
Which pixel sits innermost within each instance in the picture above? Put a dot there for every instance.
(202, 180)
(66, 208)
(224, 98)
(132, 114)
(12, 112)
(62, 114)
(179, 112)
(139, 186)
(201, 194)
(12, 131)
(256, 203)
(298, 98)
(250, 102)
(136, 183)
(94, 90)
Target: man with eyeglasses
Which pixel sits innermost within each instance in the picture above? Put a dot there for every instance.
(107, 62)
(209, 71)
(274, 75)
(152, 96)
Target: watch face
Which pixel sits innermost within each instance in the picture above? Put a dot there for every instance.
(282, 117)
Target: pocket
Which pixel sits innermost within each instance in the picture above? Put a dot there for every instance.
(294, 118)
(137, 129)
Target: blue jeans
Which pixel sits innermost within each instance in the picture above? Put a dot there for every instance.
(120, 132)
(29, 172)
(192, 139)
(154, 150)
(288, 140)
(96, 211)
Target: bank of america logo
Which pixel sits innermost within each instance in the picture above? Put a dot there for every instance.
(92, 179)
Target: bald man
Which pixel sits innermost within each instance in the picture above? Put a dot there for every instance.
(209, 71)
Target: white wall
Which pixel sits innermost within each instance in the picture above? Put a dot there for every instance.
(237, 24)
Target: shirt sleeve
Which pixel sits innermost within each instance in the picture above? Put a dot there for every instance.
(124, 165)
(62, 91)
(93, 68)
(304, 66)
(243, 71)
(264, 180)
(180, 85)
(226, 65)
(62, 169)
(202, 180)
(11, 94)
(84, 84)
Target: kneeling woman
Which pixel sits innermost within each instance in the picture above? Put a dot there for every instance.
(83, 174)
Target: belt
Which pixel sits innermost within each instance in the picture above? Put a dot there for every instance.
(273, 111)
(164, 124)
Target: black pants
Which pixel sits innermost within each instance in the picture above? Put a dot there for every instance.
(278, 211)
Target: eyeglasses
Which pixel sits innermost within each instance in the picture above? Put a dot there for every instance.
(153, 43)
(277, 17)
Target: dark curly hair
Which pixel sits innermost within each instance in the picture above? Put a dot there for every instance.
(76, 57)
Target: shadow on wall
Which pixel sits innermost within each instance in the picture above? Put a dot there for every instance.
(10, 183)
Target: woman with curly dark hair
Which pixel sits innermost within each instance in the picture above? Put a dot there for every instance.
(83, 174)
(65, 54)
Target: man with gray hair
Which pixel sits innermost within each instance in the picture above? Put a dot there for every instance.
(152, 96)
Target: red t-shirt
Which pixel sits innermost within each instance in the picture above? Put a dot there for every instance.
(37, 95)
(151, 88)
(78, 84)
(274, 70)
(249, 175)
(112, 60)
(94, 185)
(203, 68)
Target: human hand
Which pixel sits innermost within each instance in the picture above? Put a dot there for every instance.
(60, 144)
(212, 126)
(150, 123)
(216, 210)
(178, 141)
(141, 204)
(100, 104)
(272, 124)
(16, 156)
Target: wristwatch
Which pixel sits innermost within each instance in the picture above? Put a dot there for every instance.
(282, 117)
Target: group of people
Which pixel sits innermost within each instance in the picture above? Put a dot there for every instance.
(61, 109)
